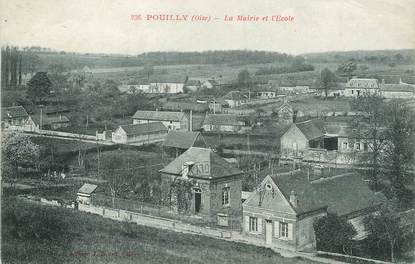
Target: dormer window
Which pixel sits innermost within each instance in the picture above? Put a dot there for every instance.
(268, 187)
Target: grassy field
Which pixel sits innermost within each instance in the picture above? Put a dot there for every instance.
(35, 234)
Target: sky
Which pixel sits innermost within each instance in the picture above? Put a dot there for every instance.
(103, 26)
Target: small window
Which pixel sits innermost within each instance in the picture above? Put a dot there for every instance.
(357, 146)
(345, 145)
(365, 146)
(268, 187)
(352, 91)
(226, 193)
(283, 229)
(253, 224)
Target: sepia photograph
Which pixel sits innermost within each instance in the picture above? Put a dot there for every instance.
(191, 131)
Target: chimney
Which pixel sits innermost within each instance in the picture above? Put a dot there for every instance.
(186, 169)
(293, 199)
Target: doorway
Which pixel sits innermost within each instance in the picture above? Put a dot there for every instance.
(268, 232)
(198, 200)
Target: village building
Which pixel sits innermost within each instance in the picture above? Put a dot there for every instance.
(358, 87)
(213, 186)
(397, 91)
(235, 99)
(283, 208)
(16, 118)
(83, 195)
(177, 142)
(172, 120)
(265, 94)
(334, 142)
(144, 133)
(211, 83)
(224, 123)
(285, 113)
(192, 85)
(134, 88)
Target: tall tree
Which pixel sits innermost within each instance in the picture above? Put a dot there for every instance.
(328, 80)
(399, 156)
(384, 227)
(374, 130)
(334, 234)
(17, 150)
(39, 86)
(244, 78)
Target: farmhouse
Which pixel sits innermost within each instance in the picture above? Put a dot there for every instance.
(134, 88)
(357, 86)
(282, 210)
(178, 142)
(211, 187)
(235, 99)
(400, 90)
(140, 133)
(319, 141)
(192, 85)
(209, 84)
(166, 85)
(16, 118)
(172, 120)
(224, 123)
(302, 136)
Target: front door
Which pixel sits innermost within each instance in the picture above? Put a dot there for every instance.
(198, 200)
(268, 232)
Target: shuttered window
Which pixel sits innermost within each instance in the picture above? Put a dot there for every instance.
(276, 229)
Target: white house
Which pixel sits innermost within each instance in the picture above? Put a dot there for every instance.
(357, 87)
(140, 133)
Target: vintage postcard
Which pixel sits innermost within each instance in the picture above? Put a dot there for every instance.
(190, 131)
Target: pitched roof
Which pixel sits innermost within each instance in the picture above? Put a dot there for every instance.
(13, 112)
(180, 139)
(400, 87)
(347, 193)
(223, 119)
(158, 115)
(343, 194)
(363, 83)
(87, 188)
(199, 107)
(207, 164)
(140, 129)
(311, 129)
(213, 82)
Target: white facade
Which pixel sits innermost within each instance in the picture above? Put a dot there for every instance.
(166, 87)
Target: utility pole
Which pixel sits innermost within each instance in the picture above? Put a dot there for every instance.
(41, 116)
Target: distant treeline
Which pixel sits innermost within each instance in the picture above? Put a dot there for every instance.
(367, 56)
(48, 60)
(285, 69)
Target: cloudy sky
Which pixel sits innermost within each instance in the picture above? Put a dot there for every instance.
(103, 26)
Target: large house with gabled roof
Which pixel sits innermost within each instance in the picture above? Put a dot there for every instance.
(177, 142)
(283, 208)
(359, 87)
(201, 183)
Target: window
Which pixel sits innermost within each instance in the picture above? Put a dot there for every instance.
(352, 91)
(226, 193)
(357, 146)
(283, 229)
(253, 224)
(344, 145)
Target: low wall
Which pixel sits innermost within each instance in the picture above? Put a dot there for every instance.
(157, 222)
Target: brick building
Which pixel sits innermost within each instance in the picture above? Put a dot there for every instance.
(212, 186)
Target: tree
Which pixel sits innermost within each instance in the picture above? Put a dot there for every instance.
(244, 78)
(39, 86)
(17, 151)
(374, 107)
(398, 157)
(384, 227)
(348, 68)
(148, 70)
(327, 79)
(334, 234)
